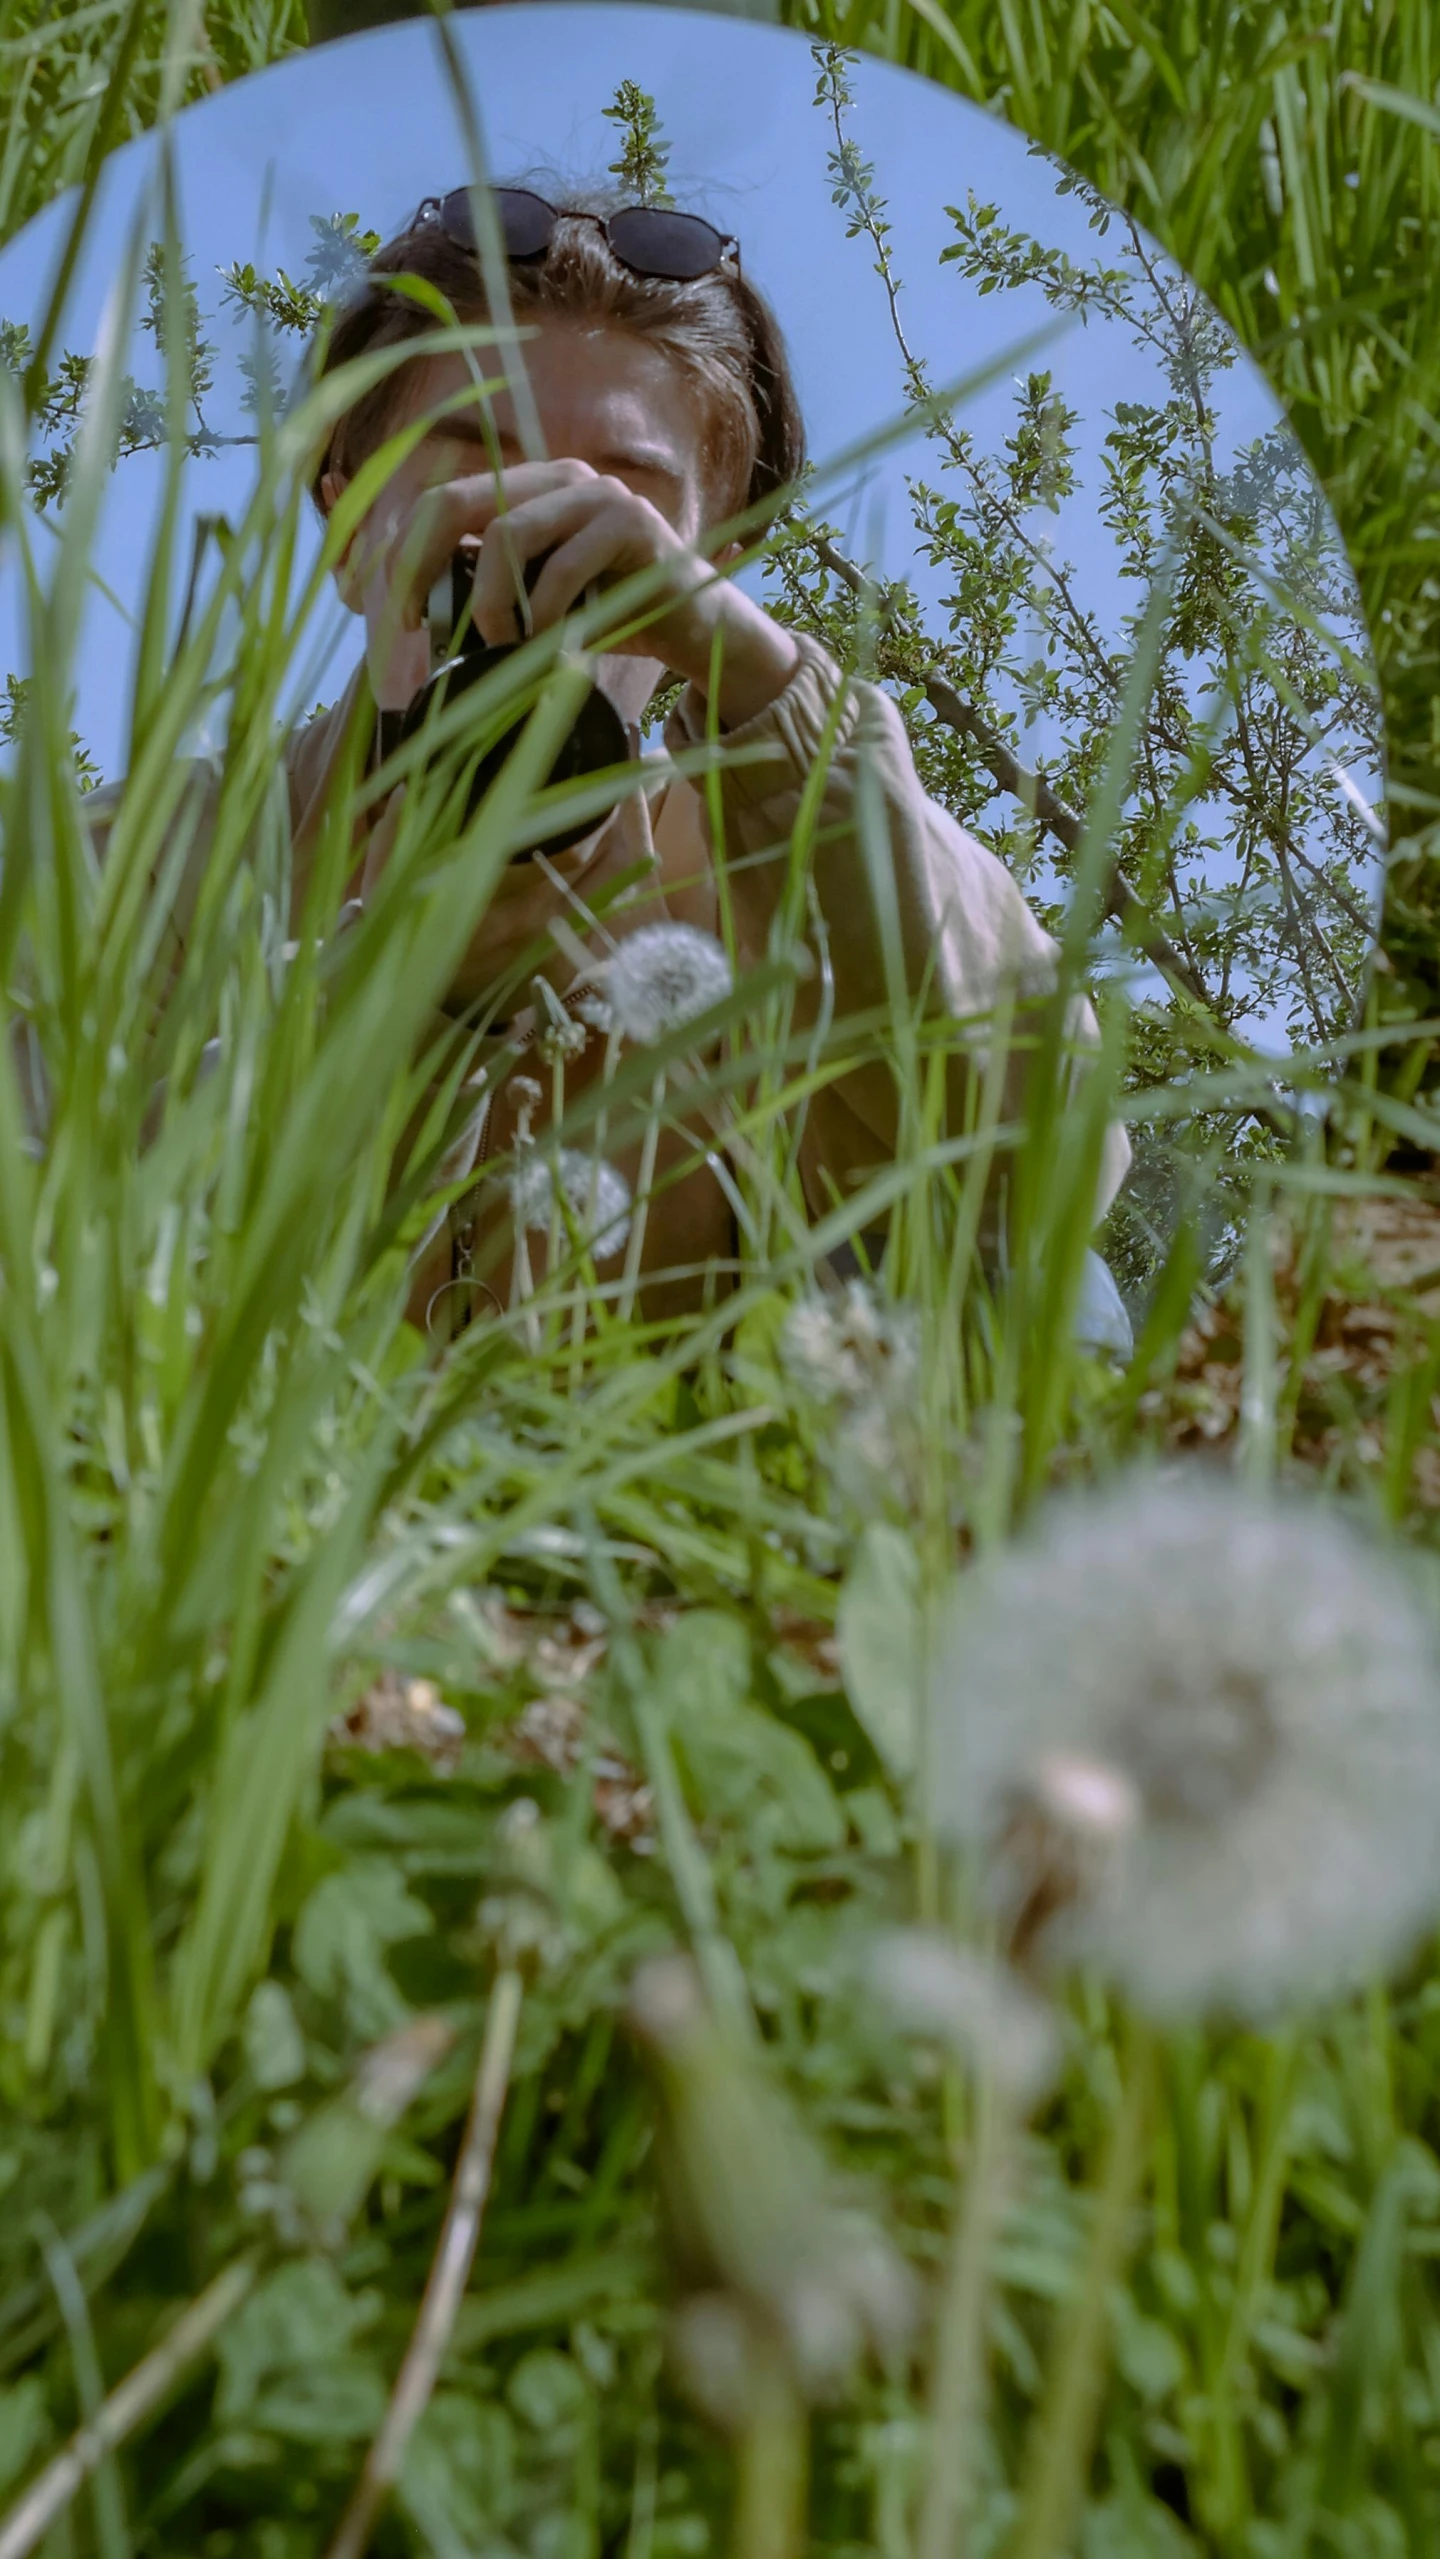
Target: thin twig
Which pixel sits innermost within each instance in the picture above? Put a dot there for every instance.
(1034, 794)
(449, 2273)
(132, 2400)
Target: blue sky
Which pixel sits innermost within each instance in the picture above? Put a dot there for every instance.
(369, 125)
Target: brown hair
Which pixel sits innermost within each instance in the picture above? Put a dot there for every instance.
(717, 329)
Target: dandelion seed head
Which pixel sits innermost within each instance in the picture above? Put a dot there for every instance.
(598, 1198)
(665, 2000)
(561, 1040)
(926, 1985)
(662, 976)
(1193, 1736)
(851, 1347)
(860, 2300)
(751, 2219)
(813, 1349)
(594, 1010)
(532, 1192)
(527, 1098)
(857, 1359)
(869, 1453)
(712, 2346)
(1088, 1797)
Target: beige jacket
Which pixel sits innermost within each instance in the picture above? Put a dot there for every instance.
(964, 931)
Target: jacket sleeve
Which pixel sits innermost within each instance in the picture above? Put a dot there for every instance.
(958, 924)
(193, 821)
(308, 755)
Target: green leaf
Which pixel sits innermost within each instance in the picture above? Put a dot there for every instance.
(879, 1626)
(329, 2161)
(458, 2481)
(274, 2045)
(548, 2390)
(295, 2327)
(738, 1761)
(341, 1936)
(1392, 101)
(24, 2423)
(341, 2401)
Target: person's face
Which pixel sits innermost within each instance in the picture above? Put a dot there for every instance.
(603, 398)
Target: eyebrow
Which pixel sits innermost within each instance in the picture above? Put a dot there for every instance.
(463, 430)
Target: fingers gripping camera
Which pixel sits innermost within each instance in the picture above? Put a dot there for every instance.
(595, 743)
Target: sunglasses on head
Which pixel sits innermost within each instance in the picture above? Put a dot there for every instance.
(649, 239)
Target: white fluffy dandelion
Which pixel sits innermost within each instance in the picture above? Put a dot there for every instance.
(527, 1097)
(597, 1197)
(662, 976)
(1193, 1735)
(927, 1985)
(847, 1348)
(857, 1359)
(751, 2219)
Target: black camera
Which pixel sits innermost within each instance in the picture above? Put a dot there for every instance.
(596, 741)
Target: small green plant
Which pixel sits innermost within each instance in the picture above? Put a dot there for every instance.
(644, 152)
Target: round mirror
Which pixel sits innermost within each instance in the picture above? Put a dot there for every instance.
(1051, 507)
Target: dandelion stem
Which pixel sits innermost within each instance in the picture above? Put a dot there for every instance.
(129, 2403)
(449, 2272)
(1064, 2427)
(607, 1078)
(643, 1188)
(1252, 2274)
(772, 2469)
(557, 1114)
(752, 1163)
(957, 2389)
(927, 1856)
(602, 1123)
(1259, 1387)
(640, 2539)
(522, 1289)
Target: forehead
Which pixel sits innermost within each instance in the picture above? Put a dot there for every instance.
(602, 395)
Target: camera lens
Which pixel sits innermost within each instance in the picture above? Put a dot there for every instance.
(594, 743)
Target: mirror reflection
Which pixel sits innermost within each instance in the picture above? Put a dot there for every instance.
(928, 488)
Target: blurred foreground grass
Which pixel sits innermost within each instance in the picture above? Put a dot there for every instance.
(252, 1543)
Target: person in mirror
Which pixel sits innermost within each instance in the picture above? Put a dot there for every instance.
(666, 405)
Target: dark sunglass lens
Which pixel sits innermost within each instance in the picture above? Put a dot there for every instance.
(526, 222)
(678, 245)
(454, 217)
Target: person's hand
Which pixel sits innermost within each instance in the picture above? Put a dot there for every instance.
(589, 531)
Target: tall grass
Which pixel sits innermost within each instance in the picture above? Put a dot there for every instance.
(237, 1493)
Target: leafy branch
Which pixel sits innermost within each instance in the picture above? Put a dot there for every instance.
(644, 159)
(279, 306)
